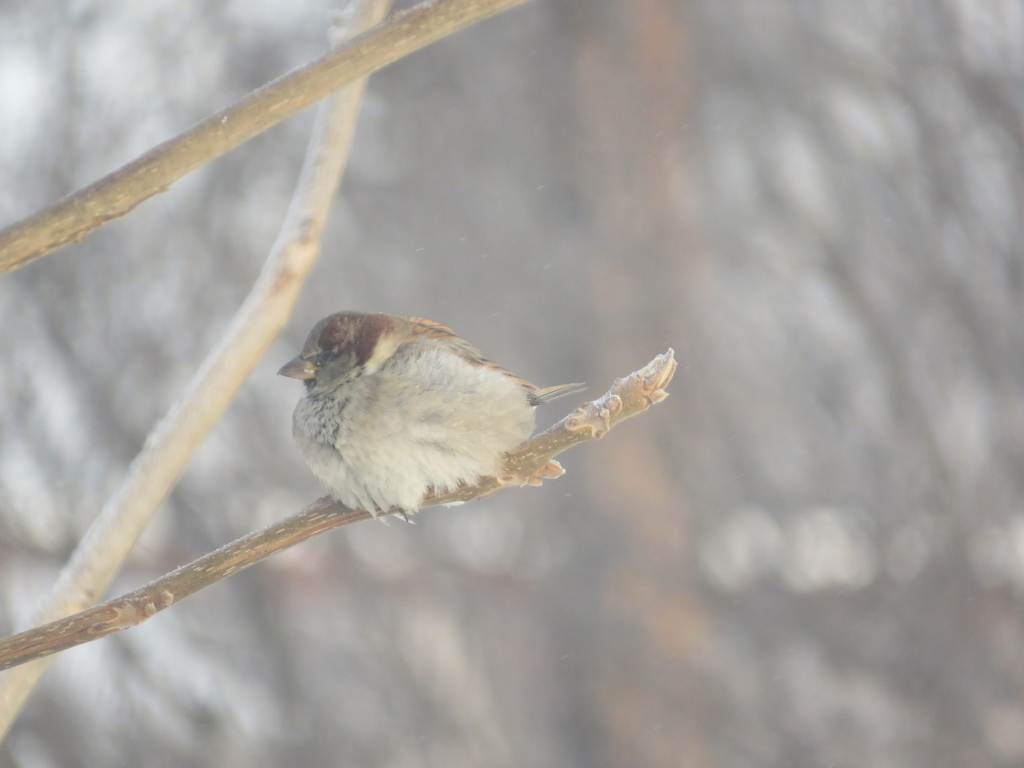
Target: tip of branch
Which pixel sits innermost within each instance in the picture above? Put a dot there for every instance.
(656, 375)
(629, 395)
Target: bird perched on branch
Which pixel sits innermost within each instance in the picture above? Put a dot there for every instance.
(397, 407)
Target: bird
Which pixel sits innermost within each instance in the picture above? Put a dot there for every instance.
(397, 408)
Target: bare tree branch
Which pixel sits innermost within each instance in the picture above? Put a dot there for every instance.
(154, 471)
(72, 218)
(529, 464)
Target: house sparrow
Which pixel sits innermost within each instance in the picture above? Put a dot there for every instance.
(396, 407)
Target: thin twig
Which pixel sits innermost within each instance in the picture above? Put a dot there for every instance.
(72, 218)
(530, 463)
(265, 311)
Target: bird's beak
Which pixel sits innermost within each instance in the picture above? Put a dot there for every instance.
(297, 368)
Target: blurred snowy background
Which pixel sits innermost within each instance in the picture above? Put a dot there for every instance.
(812, 554)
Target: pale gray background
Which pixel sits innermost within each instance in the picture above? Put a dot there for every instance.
(811, 555)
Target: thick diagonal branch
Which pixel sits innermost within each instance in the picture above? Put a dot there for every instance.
(72, 218)
(529, 464)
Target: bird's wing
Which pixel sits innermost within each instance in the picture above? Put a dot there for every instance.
(428, 329)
